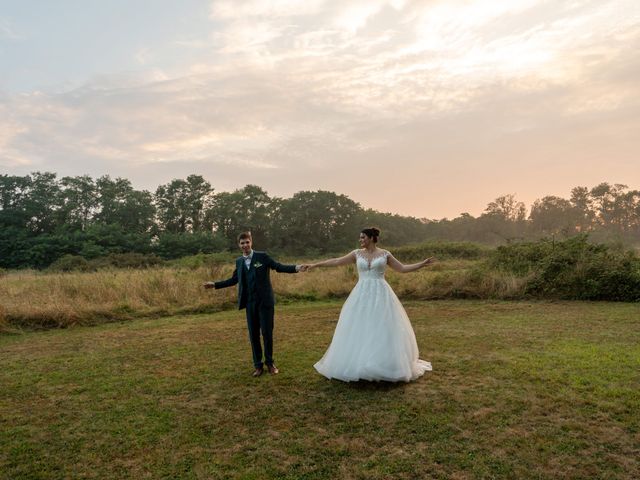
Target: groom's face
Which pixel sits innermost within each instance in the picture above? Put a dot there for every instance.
(245, 245)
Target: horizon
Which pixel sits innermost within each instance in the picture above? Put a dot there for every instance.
(419, 108)
(366, 207)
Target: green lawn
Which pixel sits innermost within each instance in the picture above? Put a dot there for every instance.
(519, 390)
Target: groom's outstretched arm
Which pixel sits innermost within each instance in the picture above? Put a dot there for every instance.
(279, 267)
(224, 283)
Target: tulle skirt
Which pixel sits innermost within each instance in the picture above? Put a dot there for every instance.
(373, 339)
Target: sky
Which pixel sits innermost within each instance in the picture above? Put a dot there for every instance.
(427, 108)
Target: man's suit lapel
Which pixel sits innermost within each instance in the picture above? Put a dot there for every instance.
(254, 259)
(241, 269)
(251, 271)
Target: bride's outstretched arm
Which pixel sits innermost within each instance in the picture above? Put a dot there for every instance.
(398, 266)
(335, 262)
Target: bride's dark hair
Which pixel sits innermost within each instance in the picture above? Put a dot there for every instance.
(372, 232)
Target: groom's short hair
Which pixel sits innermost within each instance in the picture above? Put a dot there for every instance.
(244, 235)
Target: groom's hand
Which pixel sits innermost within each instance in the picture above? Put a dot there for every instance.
(209, 285)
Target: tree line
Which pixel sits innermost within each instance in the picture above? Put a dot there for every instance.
(44, 217)
(605, 212)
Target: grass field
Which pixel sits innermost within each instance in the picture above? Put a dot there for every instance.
(41, 300)
(519, 390)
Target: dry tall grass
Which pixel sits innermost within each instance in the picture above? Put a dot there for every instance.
(44, 300)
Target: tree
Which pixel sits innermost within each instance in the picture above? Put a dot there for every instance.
(120, 204)
(610, 212)
(505, 218)
(583, 208)
(246, 209)
(395, 229)
(553, 215)
(41, 202)
(508, 208)
(182, 204)
(624, 209)
(320, 220)
(628, 205)
(13, 194)
(78, 202)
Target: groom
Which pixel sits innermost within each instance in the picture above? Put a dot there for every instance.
(256, 295)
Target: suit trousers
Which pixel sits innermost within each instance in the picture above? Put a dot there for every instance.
(260, 320)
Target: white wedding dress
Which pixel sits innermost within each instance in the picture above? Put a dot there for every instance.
(373, 339)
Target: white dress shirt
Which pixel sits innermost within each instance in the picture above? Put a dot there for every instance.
(247, 259)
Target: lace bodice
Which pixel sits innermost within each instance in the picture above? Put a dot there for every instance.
(371, 266)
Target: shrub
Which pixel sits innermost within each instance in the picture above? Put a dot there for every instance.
(572, 269)
(441, 250)
(176, 245)
(200, 260)
(127, 260)
(520, 258)
(70, 263)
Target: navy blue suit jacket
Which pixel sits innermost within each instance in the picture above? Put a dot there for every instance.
(258, 281)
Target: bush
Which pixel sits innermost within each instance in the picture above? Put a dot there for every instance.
(441, 250)
(176, 245)
(194, 262)
(127, 260)
(572, 269)
(520, 258)
(70, 263)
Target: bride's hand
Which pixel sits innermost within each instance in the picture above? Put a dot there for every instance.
(428, 261)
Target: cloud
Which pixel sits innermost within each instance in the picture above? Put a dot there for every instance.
(142, 55)
(410, 56)
(7, 31)
(232, 9)
(408, 104)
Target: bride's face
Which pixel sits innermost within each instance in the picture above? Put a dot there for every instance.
(364, 241)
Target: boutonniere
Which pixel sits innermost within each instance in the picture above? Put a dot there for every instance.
(257, 265)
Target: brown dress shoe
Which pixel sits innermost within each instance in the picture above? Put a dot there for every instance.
(273, 370)
(257, 372)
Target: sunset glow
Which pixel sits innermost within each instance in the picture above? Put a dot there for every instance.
(424, 108)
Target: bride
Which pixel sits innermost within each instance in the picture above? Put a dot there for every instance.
(373, 339)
